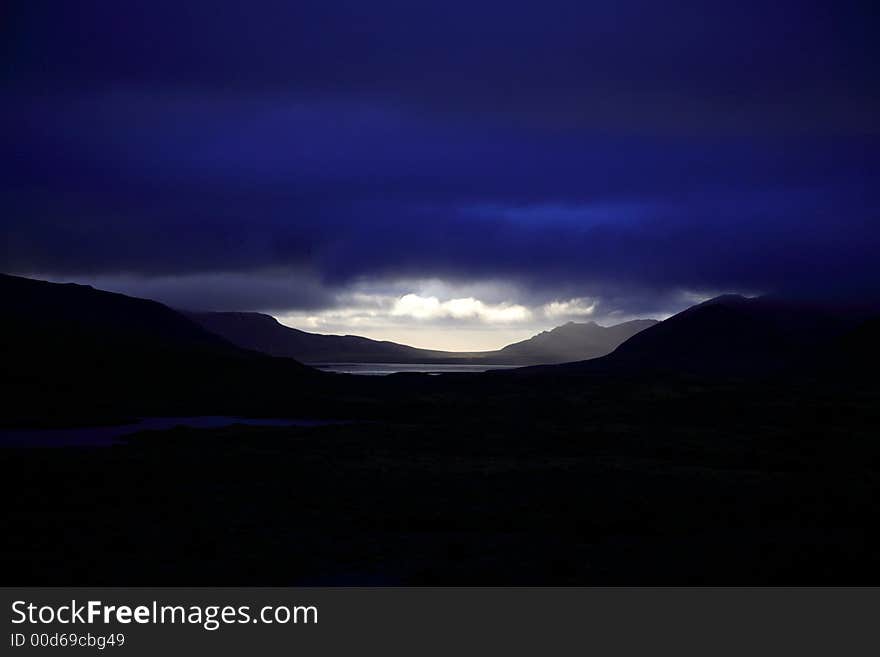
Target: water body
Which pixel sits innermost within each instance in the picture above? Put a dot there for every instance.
(380, 369)
(105, 436)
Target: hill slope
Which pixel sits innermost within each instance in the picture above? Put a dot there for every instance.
(266, 334)
(69, 347)
(733, 336)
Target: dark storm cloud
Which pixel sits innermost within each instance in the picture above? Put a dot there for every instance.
(726, 61)
(624, 149)
(263, 290)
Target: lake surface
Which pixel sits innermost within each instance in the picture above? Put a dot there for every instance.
(380, 369)
(104, 436)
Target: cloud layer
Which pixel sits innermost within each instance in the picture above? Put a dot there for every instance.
(570, 158)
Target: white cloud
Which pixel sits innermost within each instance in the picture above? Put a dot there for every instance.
(412, 305)
(437, 314)
(423, 320)
(419, 307)
(580, 307)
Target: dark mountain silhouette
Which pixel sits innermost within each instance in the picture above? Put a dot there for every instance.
(733, 335)
(69, 312)
(571, 342)
(73, 346)
(265, 334)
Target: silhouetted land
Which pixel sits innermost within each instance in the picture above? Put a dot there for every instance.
(679, 471)
(263, 333)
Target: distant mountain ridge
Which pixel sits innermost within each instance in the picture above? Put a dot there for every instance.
(572, 342)
(259, 332)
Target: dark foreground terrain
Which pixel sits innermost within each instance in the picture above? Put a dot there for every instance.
(576, 483)
(734, 443)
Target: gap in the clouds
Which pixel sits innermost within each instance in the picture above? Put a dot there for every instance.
(446, 337)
